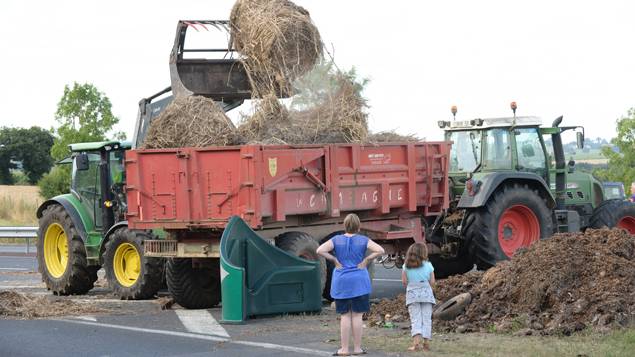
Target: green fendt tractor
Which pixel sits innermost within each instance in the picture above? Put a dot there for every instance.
(509, 187)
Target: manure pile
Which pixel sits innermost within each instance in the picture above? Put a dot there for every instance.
(560, 285)
(278, 44)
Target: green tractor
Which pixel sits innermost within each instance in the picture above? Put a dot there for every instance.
(509, 187)
(86, 229)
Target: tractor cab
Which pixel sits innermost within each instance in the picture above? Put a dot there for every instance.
(98, 179)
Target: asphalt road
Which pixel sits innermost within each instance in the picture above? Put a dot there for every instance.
(140, 328)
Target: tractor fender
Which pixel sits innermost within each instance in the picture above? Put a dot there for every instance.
(111, 230)
(73, 208)
(490, 182)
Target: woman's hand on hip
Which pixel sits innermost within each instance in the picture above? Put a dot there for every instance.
(363, 264)
(338, 265)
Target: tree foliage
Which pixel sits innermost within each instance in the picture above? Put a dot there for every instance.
(84, 114)
(621, 161)
(31, 147)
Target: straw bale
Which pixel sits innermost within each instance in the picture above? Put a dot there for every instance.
(278, 42)
(191, 121)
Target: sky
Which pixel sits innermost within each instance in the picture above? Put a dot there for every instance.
(571, 58)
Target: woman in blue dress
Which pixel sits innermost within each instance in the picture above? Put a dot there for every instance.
(350, 285)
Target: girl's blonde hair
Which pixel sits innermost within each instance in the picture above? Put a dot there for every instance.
(415, 256)
(351, 223)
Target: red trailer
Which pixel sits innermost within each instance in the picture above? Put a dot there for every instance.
(279, 188)
(298, 195)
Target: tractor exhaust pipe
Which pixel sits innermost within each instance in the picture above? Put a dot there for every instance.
(558, 151)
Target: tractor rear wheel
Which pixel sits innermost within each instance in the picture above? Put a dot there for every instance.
(194, 287)
(514, 217)
(614, 213)
(130, 274)
(302, 245)
(61, 254)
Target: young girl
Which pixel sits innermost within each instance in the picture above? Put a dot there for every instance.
(418, 277)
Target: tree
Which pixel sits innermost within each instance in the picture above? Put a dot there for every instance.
(621, 161)
(84, 114)
(31, 147)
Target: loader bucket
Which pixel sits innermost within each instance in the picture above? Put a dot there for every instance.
(221, 79)
(259, 279)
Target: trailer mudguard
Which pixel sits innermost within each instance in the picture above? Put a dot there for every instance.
(490, 182)
(78, 214)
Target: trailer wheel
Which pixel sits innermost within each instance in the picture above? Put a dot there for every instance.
(130, 274)
(61, 254)
(514, 217)
(304, 246)
(194, 287)
(614, 213)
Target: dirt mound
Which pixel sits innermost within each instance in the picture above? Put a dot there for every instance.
(278, 41)
(559, 285)
(191, 121)
(24, 306)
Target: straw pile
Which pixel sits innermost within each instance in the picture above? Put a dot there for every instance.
(191, 121)
(338, 118)
(14, 304)
(278, 41)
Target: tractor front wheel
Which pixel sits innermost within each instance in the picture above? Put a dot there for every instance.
(514, 217)
(130, 274)
(614, 213)
(61, 254)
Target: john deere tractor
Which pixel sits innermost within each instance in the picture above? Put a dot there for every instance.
(86, 229)
(510, 187)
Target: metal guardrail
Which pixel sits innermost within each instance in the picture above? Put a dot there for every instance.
(19, 232)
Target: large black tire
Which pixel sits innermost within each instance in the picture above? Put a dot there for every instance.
(446, 267)
(519, 212)
(71, 274)
(143, 276)
(194, 288)
(304, 246)
(614, 213)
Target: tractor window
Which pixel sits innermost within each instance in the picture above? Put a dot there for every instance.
(466, 150)
(497, 150)
(117, 171)
(86, 184)
(529, 149)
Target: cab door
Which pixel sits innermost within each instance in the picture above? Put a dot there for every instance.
(530, 152)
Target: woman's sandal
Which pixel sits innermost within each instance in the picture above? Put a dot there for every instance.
(337, 353)
(359, 353)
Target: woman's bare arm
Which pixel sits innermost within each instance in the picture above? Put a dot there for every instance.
(376, 250)
(325, 251)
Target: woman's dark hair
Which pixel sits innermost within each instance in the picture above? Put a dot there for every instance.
(415, 256)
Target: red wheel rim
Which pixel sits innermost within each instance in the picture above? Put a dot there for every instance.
(518, 227)
(627, 223)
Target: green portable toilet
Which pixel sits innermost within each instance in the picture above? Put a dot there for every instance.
(259, 279)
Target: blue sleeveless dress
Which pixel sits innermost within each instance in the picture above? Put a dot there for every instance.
(349, 281)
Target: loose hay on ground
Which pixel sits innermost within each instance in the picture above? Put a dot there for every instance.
(25, 306)
(278, 42)
(191, 121)
(559, 285)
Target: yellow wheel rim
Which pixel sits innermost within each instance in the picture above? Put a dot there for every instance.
(55, 250)
(127, 264)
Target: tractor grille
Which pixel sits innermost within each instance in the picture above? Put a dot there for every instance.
(160, 248)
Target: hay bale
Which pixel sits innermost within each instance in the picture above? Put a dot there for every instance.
(191, 121)
(278, 40)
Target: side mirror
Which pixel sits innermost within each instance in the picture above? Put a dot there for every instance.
(580, 139)
(81, 162)
(571, 166)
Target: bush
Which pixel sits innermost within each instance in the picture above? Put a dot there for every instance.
(20, 178)
(56, 182)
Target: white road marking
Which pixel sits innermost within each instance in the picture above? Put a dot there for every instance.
(200, 321)
(86, 318)
(203, 337)
(21, 287)
(380, 279)
(15, 269)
